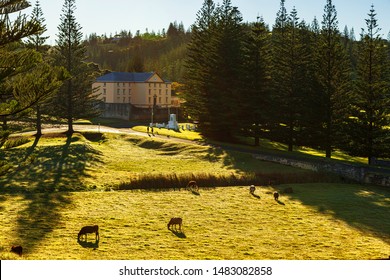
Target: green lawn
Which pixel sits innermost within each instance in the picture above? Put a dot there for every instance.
(183, 134)
(317, 221)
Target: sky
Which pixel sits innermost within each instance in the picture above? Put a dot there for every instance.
(110, 17)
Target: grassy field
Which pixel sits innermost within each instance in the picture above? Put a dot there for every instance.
(52, 187)
(103, 161)
(317, 221)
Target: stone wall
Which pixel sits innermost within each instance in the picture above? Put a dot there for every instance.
(359, 174)
(116, 110)
(129, 112)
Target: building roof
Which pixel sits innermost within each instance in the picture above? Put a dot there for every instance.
(126, 77)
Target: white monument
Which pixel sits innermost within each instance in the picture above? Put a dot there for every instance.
(172, 124)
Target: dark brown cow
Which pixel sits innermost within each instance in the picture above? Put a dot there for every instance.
(17, 250)
(89, 229)
(192, 186)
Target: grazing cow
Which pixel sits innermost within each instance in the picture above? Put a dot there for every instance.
(17, 250)
(252, 189)
(175, 222)
(276, 196)
(193, 186)
(89, 229)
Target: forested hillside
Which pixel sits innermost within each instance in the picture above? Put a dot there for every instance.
(163, 52)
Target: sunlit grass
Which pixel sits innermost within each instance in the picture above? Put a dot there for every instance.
(317, 221)
(183, 134)
(266, 144)
(337, 154)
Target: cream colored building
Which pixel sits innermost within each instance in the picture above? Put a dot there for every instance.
(137, 89)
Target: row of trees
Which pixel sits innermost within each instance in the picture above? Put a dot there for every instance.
(301, 84)
(38, 80)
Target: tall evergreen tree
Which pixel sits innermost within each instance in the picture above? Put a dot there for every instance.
(371, 105)
(290, 74)
(279, 68)
(255, 99)
(333, 76)
(37, 42)
(75, 99)
(14, 59)
(213, 69)
(226, 71)
(198, 78)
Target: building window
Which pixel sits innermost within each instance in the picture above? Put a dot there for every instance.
(129, 91)
(118, 91)
(150, 100)
(166, 100)
(159, 100)
(104, 91)
(104, 84)
(166, 92)
(117, 84)
(155, 85)
(159, 85)
(150, 91)
(124, 91)
(159, 91)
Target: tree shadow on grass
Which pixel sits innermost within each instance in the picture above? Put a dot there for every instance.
(364, 207)
(45, 183)
(41, 216)
(49, 168)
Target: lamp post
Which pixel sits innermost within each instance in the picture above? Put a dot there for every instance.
(154, 105)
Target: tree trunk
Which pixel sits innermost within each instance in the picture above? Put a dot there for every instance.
(39, 121)
(70, 109)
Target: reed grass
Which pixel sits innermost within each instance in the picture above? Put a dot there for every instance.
(177, 181)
